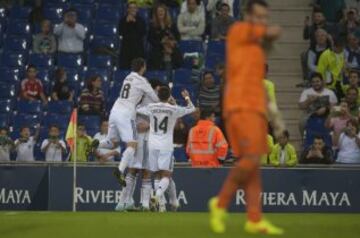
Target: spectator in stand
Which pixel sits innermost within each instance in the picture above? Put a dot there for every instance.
(214, 7)
(31, 87)
(53, 147)
(353, 82)
(317, 153)
(191, 23)
(24, 145)
(207, 146)
(6, 145)
(209, 93)
(349, 144)
(83, 144)
(315, 51)
(331, 64)
(352, 97)
(316, 101)
(70, 33)
(185, 8)
(181, 133)
(132, 28)
(333, 10)
(92, 101)
(142, 3)
(337, 120)
(350, 23)
(44, 42)
(163, 37)
(222, 23)
(352, 52)
(283, 153)
(318, 22)
(105, 155)
(62, 89)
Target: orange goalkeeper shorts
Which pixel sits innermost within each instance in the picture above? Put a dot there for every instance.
(247, 133)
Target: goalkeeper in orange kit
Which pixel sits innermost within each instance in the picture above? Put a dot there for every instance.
(246, 110)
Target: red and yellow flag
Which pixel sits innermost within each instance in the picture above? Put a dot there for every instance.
(71, 131)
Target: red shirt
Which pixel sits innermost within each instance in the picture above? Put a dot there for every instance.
(31, 88)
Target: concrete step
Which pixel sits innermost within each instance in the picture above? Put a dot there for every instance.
(288, 15)
(283, 65)
(290, 113)
(285, 81)
(288, 49)
(288, 97)
(292, 33)
(289, 3)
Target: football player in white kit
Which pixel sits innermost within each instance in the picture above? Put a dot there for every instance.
(163, 118)
(122, 124)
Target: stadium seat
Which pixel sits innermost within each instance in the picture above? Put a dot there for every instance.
(8, 75)
(56, 1)
(61, 120)
(4, 119)
(13, 60)
(41, 60)
(85, 13)
(104, 42)
(113, 93)
(180, 154)
(144, 13)
(70, 60)
(216, 47)
(29, 107)
(60, 107)
(84, 2)
(174, 12)
(19, 28)
(107, 13)
(3, 13)
(54, 14)
(90, 122)
(6, 105)
(160, 75)
(212, 60)
(182, 77)
(18, 12)
(31, 120)
(119, 75)
(315, 126)
(19, 44)
(99, 61)
(101, 29)
(113, 3)
(236, 9)
(102, 72)
(7, 91)
(190, 46)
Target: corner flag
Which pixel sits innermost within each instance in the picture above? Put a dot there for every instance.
(71, 131)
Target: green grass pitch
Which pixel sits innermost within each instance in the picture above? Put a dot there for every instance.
(166, 225)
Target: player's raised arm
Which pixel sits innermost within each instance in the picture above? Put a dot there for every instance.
(190, 108)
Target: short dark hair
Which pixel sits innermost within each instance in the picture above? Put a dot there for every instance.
(155, 82)
(206, 73)
(137, 64)
(317, 10)
(352, 88)
(80, 124)
(30, 66)
(286, 134)
(339, 41)
(224, 5)
(317, 75)
(318, 137)
(353, 71)
(3, 128)
(251, 3)
(54, 126)
(24, 127)
(71, 9)
(164, 93)
(206, 112)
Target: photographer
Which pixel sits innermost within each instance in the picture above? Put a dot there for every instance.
(6, 145)
(53, 147)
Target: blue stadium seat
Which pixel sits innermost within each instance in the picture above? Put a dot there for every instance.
(19, 28)
(61, 120)
(101, 29)
(99, 61)
(160, 75)
(113, 93)
(107, 13)
(113, 3)
(13, 60)
(174, 12)
(7, 91)
(236, 8)
(84, 2)
(60, 107)
(8, 75)
(44, 75)
(41, 60)
(212, 60)
(190, 46)
(31, 120)
(16, 44)
(315, 126)
(56, 1)
(119, 75)
(54, 14)
(144, 13)
(3, 13)
(104, 42)
(216, 47)
(85, 13)
(102, 72)
(180, 154)
(182, 77)
(6, 105)
(70, 60)
(4, 119)
(90, 122)
(18, 12)
(29, 107)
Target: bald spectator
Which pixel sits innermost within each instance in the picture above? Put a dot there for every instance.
(315, 51)
(70, 34)
(191, 23)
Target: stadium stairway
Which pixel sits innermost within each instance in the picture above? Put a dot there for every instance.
(284, 59)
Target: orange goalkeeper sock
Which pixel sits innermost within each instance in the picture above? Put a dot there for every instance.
(252, 196)
(237, 178)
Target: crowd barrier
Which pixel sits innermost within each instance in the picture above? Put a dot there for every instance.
(303, 189)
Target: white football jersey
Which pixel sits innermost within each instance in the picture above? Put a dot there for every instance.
(163, 118)
(133, 90)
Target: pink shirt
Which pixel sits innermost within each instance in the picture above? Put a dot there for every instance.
(338, 124)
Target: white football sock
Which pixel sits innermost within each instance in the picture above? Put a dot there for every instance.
(132, 186)
(145, 192)
(163, 185)
(106, 144)
(126, 157)
(172, 193)
(156, 184)
(130, 179)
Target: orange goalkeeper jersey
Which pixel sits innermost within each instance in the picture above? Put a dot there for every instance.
(245, 72)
